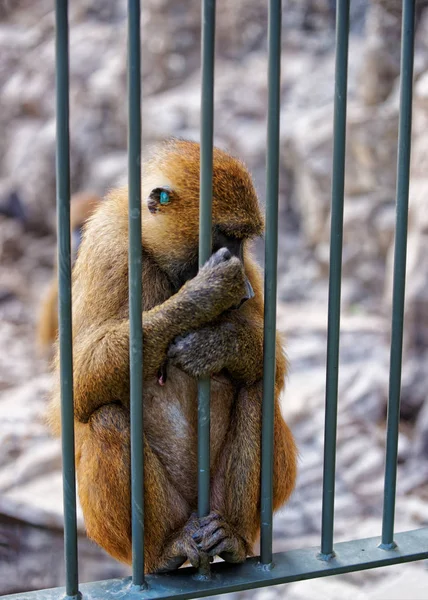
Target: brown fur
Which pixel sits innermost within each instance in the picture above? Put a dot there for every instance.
(81, 207)
(194, 329)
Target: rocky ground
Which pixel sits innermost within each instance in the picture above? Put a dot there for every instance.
(30, 482)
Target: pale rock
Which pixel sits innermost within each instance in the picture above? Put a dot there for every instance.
(350, 450)
(17, 360)
(371, 149)
(405, 582)
(413, 383)
(309, 477)
(421, 435)
(367, 465)
(11, 243)
(346, 506)
(309, 161)
(404, 447)
(367, 396)
(417, 508)
(371, 491)
(416, 307)
(414, 477)
(421, 91)
(333, 588)
(109, 171)
(46, 457)
(418, 198)
(303, 394)
(382, 52)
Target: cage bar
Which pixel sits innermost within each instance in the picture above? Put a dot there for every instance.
(205, 235)
(135, 292)
(270, 281)
(400, 250)
(64, 302)
(205, 240)
(336, 235)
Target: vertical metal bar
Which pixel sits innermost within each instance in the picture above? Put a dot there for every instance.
(205, 236)
(403, 169)
(270, 284)
(135, 292)
(336, 234)
(64, 303)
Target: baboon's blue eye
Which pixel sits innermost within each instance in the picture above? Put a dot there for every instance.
(164, 197)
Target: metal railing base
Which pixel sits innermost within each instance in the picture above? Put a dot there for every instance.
(294, 565)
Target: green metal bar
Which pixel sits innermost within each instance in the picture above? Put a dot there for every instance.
(270, 285)
(341, 82)
(135, 292)
(295, 565)
(64, 303)
(205, 235)
(403, 169)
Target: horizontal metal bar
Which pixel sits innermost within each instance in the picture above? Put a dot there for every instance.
(295, 565)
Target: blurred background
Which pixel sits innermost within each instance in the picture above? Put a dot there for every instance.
(31, 547)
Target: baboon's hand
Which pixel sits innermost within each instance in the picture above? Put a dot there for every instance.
(220, 283)
(200, 353)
